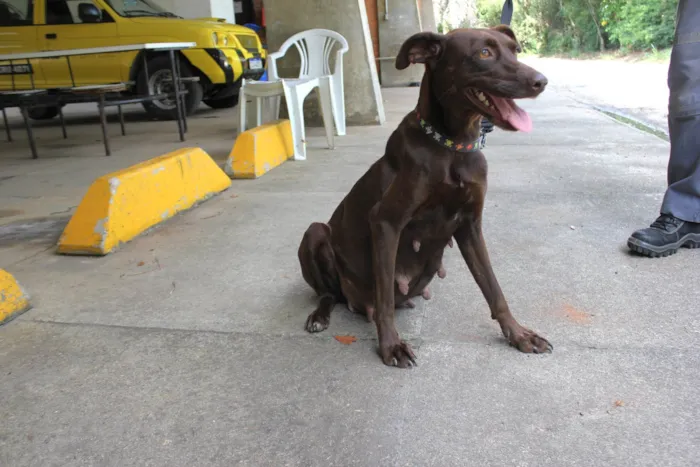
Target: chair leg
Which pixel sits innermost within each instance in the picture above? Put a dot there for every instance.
(338, 99)
(63, 122)
(7, 125)
(121, 119)
(103, 122)
(326, 105)
(258, 111)
(242, 111)
(277, 105)
(296, 120)
(30, 133)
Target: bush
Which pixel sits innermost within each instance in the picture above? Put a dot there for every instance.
(488, 13)
(575, 26)
(640, 24)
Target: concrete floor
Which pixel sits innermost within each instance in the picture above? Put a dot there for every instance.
(187, 348)
(633, 89)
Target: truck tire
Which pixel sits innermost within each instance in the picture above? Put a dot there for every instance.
(158, 72)
(225, 103)
(42, 113)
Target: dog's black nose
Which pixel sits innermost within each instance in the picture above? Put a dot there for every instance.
(539, 82)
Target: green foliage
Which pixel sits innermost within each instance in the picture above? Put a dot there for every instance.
(640, 25)
(580, 26)
(488, 12)
(538, 24)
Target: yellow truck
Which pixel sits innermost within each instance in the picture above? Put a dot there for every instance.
(224, 54)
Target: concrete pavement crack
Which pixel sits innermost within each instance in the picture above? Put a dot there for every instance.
(620, 116)
(416, 340)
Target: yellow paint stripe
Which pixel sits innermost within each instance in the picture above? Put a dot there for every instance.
(13, 299)
(260, 149)
(120, 206)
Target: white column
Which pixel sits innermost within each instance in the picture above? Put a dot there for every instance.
(222, 9)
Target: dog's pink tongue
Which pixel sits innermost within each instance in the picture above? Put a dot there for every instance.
(513, 114)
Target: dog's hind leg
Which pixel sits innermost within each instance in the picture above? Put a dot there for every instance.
(318, 267)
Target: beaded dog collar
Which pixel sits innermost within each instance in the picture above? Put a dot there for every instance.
(443, 140)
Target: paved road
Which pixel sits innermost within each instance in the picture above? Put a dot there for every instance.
(186, 347)
(638, 90)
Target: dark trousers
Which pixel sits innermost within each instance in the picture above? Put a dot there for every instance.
(682, 198)
(506, 16)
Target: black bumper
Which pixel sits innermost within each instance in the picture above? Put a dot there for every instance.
(232, 86)
(247, 72)
(220, 59)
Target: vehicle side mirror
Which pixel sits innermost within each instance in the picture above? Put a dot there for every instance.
(89, 13)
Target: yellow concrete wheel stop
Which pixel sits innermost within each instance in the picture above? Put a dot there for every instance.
(119, 206)
(13, 299)
(260, 149)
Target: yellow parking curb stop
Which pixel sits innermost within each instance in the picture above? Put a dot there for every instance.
(13, 299)
(119, 206)
(260, 149)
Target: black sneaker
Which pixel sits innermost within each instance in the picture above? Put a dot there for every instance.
(665, 236)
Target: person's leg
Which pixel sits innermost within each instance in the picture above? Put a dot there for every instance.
(679, 222)
(682, 199)
(507, 12)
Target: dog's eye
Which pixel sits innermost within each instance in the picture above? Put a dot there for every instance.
(485, 53)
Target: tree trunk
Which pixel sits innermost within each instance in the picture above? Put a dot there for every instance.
(601, 41)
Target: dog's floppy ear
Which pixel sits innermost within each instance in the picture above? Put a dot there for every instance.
(503, 29)
(422, 47)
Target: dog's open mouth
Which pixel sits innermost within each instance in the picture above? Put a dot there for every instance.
(502, 111)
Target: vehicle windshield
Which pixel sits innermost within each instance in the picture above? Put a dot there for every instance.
(10, 15)
(133, 8)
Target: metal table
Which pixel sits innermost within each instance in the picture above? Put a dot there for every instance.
(24, 95)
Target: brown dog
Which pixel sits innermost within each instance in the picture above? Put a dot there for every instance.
(385, 241)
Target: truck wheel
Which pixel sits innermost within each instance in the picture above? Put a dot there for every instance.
(225, 103)
(42, 113)
(160, 81)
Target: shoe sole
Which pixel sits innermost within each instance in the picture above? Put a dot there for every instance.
(689, 241)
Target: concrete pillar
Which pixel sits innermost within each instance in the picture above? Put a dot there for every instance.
(221, 9)
(398, 20)
(200, 8)
(363, 100)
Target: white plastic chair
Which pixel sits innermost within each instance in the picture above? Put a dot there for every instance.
(315, 47)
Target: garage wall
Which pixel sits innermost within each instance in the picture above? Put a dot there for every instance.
(221, 9)
(363, 99)
(402, 19)
(200, 8)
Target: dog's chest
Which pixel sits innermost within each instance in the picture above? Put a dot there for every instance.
(460, 170)
(437, 222)
(449, 206)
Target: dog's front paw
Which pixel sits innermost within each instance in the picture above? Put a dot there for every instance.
(527, 341)
(317, 323)
(399, 355)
